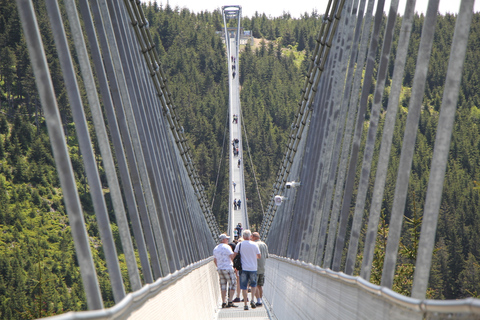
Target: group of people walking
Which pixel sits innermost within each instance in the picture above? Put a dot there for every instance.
(238, 231)
(235, 147)
(253, 254)
(236, 204)
(233, 66)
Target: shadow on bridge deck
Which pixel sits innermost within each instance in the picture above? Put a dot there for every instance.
(260, 313)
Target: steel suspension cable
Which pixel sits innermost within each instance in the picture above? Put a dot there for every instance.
(220, 163)
(144, 237)
(370, 144)
(353, 40)
(408, 145)
(351, 100)
(442, 149)
(324, 42)
(355, 148)
(60, 153)
(387, 137)
(104, 144)
(147, 45)
(251, 163)
(124, 114)
(337, 120)
(85, 144)
(353, 31)
(169, 226)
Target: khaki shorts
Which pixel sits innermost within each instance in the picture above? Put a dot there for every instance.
(260, 279)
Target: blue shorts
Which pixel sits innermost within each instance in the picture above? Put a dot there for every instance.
(246, 277)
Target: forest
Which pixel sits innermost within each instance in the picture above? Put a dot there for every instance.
(39, 274)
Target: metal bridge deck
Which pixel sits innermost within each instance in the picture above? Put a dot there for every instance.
(259, 313)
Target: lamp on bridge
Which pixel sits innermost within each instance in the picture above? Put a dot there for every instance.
(279, 199)
(292, 184)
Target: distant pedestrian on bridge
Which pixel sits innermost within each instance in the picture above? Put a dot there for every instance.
(238, 203)
(239, 162)
(261, 267)
(249, 253)
(235, 204)
(239, 228)
(223, 258)
(234, 185)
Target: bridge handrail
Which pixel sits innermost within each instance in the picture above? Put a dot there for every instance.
(467, 305)
(134, 300)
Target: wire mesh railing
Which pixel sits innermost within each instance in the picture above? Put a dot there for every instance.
(165, 297)
(300, 290)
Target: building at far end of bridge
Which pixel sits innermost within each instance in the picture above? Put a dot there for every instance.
(245, 35)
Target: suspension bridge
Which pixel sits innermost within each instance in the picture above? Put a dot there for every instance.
(159, 201)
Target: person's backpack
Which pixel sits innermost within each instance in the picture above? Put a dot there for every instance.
(237, 261)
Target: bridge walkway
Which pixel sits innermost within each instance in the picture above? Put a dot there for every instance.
(237, 214)
(259, 313)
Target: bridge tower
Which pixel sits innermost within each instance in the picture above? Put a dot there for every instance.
(237, 182)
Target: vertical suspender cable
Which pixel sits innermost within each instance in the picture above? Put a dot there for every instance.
(126, 107)
(324, 42)
(370, 143)
(347, 195)
(145, 138)
(145, 40)
(170, 167)
(143, 237)
(83, 136)
(408, 146)
(163, 171)
(128, 130)
(351, 98)
(387, 137)
(343, 94)
(103, 141)
(442, 149)
(336, 120)
(60, 153)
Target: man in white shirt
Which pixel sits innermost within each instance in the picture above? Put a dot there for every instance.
(223, 256)
(249, 253)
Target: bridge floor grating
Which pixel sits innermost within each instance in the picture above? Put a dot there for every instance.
(259, 313)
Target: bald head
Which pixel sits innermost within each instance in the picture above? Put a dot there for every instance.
(255, 236)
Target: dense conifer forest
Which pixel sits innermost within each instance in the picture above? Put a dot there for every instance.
(39, 274)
